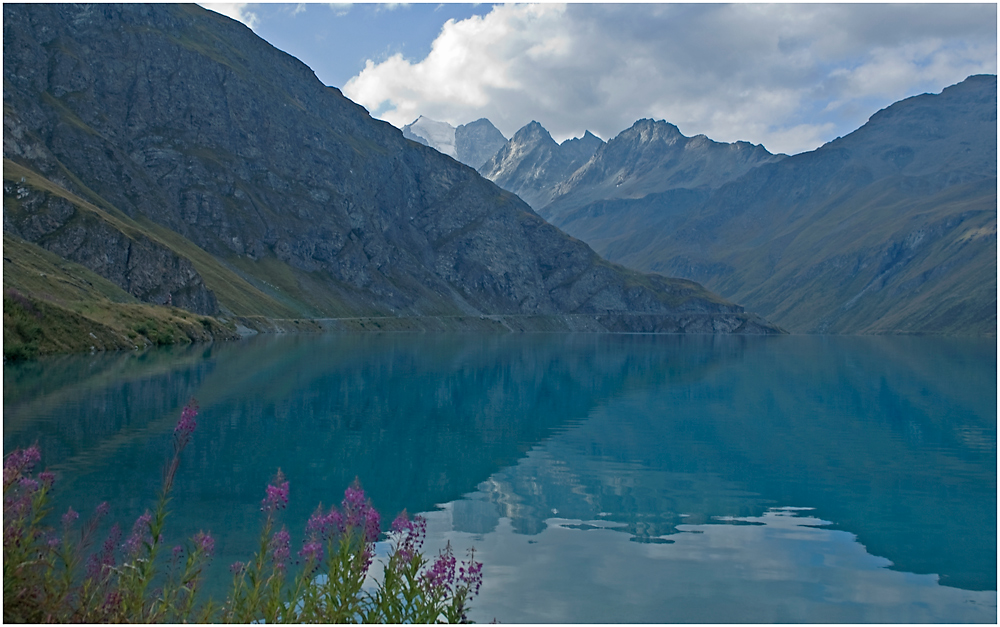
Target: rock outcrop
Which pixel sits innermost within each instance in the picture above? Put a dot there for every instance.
(532, 164)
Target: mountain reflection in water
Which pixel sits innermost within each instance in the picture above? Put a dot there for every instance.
(643, 440)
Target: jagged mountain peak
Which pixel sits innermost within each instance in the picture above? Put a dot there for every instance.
(531, 164)
(587, 139)
(652, 156)
(477, 141)
(533, 132)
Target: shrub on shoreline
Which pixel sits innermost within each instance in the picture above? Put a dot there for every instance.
(52, 575)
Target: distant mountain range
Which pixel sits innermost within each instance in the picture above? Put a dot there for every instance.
(532, 164)
(171, 151)
(891, 229)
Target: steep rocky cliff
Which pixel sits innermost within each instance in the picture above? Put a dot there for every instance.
(176, 135)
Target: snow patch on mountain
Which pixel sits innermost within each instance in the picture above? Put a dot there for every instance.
(437, 135)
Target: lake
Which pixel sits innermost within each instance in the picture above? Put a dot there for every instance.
(601, 478)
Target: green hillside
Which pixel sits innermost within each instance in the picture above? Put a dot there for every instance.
(51, 305)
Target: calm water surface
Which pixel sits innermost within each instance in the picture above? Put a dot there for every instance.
(601, 478)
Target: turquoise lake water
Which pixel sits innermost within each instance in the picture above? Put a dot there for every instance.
(601, 478)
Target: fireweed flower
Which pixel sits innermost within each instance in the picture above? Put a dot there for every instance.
(112, 601)
(237, 567)
(140, 535)
(441, 576)
(470, 574)
(277, 494)
(278, 547)
(321, 525)
(186, 425)
(372, 525)
(29, 485)
(102, 562)
(23, 460)
(409, 536)
(205, 542)
(182, 435)
(69, 518)
(312, 552)
(47, 479)
(359, 514)
(19, 463)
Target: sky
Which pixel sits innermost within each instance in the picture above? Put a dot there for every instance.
(789, 76)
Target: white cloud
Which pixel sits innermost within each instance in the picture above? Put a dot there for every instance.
(340, 9)
(236, 10)
(789, 76)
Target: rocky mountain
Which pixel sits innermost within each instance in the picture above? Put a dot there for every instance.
(890, 229)
(471, 143)
(532, 164)
(172, 151)
(477, 141)
(653, 156)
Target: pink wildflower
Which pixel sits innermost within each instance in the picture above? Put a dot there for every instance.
(69, 518)
(279, 549)
(441, 576)
(205, 542)
(100, 564)
(186, 425)
(18, 463)
(277, 494)
(140, 535)
(312, 552)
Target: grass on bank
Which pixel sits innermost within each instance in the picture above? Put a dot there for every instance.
(51, 305)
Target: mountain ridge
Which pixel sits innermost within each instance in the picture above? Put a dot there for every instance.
(890, 229)
(532, 164)
(177, 126)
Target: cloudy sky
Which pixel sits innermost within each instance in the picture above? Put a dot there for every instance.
(789, 76)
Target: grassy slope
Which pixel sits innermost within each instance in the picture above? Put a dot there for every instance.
(831, 269)
(945, 283)
(52, 306)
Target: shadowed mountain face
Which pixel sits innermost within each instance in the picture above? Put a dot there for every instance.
(248, 187)
(890, 229)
